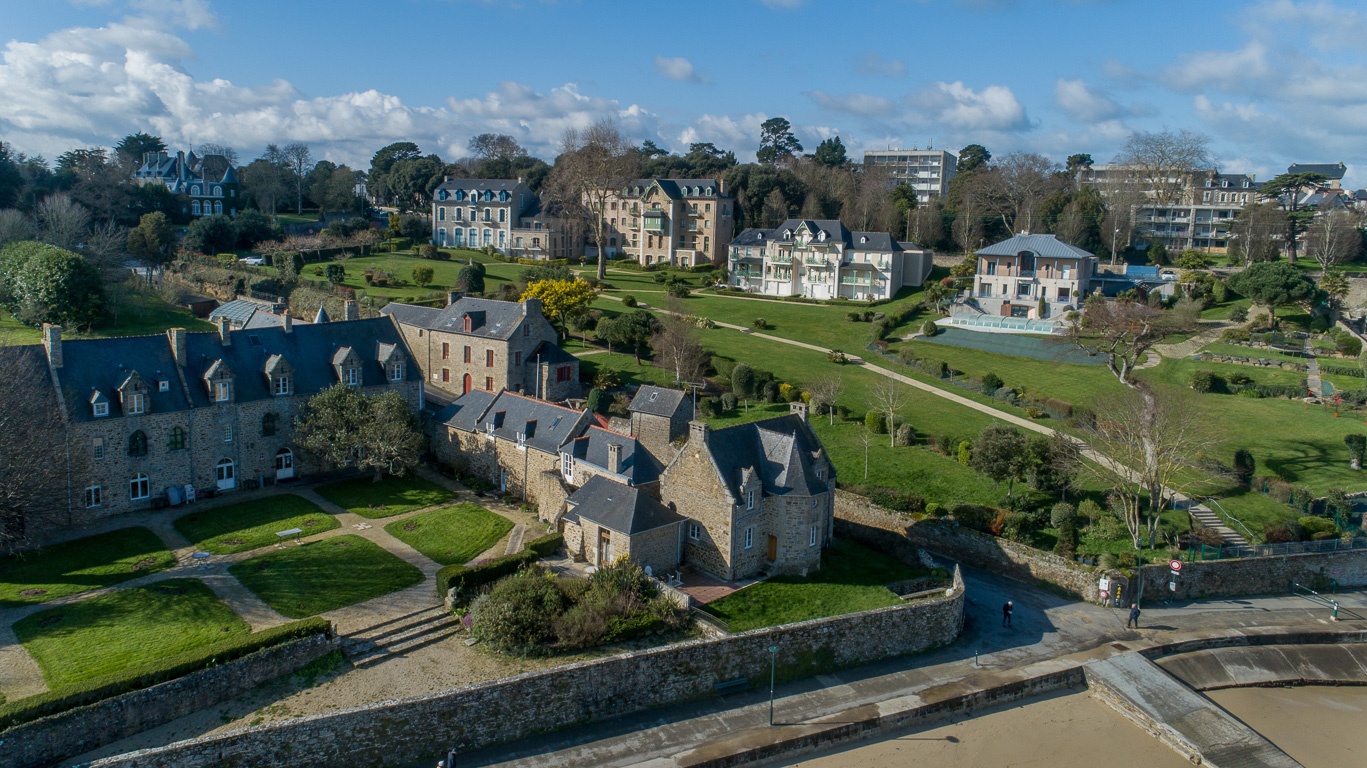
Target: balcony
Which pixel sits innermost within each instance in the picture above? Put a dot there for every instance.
(655, 221)
(782, 258)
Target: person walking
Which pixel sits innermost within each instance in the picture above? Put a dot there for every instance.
(1006, 614)
(1134, 616)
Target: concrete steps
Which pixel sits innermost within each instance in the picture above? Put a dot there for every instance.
(396, 637)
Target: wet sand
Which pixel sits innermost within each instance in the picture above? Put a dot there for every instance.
(1318, 726)
(1066, 730)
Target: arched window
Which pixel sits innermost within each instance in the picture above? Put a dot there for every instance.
(137, 444)
(268, 425)
(138, 487)
(176, 440)
(218, 191)
(218, 206)
(225, 475)
(194, 190)
(194, 207)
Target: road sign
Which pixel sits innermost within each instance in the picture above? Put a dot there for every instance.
(1103, 584)
(1172, 586)
(1104, 594)
(1175, 565)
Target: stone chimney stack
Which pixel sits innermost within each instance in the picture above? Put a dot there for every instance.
(799, 408)
(287, 321)
(52, 344)
(351, 310)
(177, 338)
(530, 307)
(615, 458)
(698, 432)
(454, 296)
(224, 335)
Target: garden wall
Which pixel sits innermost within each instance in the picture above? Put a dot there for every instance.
(76, 731)
(858, 518)
(1259, 575)
(409, 730)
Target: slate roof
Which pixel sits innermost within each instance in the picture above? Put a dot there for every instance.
(1047, 246)
(465, 411)
(31, 359)
(1236, 181)
(835, 232)
(1332, 170)
(246, 313)
(618, 507)
(676, 189)
(782, 450)
(638, 465)
(549, 352)
(489, 318)
(546, 425)
(101, 365)
(410, 314)
(309, 349)
(656, 401)
(481, 185)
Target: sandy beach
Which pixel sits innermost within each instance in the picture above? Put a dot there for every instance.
(1319, 726)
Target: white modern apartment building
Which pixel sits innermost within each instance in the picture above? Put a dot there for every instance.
(1032, 276)
(824, 260)
(927, 171)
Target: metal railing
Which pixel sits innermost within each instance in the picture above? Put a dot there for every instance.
(1292, 548)
(1226, 518)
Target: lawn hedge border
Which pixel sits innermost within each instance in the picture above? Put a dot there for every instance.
(151, 673)
(464, 578)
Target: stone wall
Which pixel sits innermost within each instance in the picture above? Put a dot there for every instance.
(67, 734)
(1259, 576)
(410, 730)
(858, 518)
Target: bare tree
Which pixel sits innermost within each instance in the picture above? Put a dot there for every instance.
(595, 165)
(1166, 160)
(495, 146)
(1016, 186)
(1256, 233)
(968, 223)
(32, 467)
(677, 346)
(299, 160)
(14, 226)
(888, 396)
(826, 389)
(62, 222)
(1123, 196)
(106, 245)
(224, 151)
(215, 160)
(1333, 237)
(866, 440)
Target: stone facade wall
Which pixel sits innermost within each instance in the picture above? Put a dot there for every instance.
(1260, 575)
(410, 730)
(46, 741)
(693, 484)
(501, 462)
(657, 433)
(658, 548)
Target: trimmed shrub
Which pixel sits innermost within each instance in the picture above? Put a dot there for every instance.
(1239, 314)
(992, 382)
(465, 580)
(1205, 381)
(1089, 510)
(1066, 546)
(759, 324)
(677, 290)
(141, 676)
(1060, 512)
(906, 435)
(629, 301)
(965, 453)
(770, 391)
(929, 328)
(743, 380)
(1317, 525)
(598, 401)
(875, 423)
(728, 402)
(707, 408)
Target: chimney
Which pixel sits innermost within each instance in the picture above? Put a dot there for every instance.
(521, 180)
(453, 296)
(177, 339)
(287, 321)
(530, 307)
(52, 344)
(799, 408)
(615, 458)
(223, 332)
(351, 310)
(721, 187)
(698, 432)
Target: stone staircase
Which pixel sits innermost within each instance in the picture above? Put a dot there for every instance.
(399, 636)
(1208, 518)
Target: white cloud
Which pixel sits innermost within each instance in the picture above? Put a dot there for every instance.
(874, 65)
(1084, 104)
(994, 108)
(853, 103)
(677, 68)
(1218, 69)
(190, 14)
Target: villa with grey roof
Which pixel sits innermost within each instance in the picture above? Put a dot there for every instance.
(189, 176)
(822, 259)
(504, 214)
(683, 222)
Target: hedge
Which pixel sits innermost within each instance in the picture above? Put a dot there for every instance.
(1342, 370)
(463, 578)
(146, 675)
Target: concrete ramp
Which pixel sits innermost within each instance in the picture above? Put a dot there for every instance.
(1180, 717)
(1269, 665)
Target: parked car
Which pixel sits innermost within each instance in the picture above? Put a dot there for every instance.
(253, 261)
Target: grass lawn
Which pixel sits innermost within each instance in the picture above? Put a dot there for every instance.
(105, 634)
(324, 575)
(851, 579)
(81, 565)
(252, 524)
(401, 265)
(15, 333)
(452, 535)
(394, 495)
(144, 314)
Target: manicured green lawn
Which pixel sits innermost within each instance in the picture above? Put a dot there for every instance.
(851, 579)
(14, 333)
(394, 495)
(81, 565)
(105, 634)
(401, 265)
(252, 524)
(324, 575)
(144, 314)
(451, 535)
(1075, 383)
(1218, 348)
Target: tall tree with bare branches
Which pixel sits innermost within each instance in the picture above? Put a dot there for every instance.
(1165, 161)
(1017, 184)
(300, 161)
(677, 344)
(826, 389)
(889, 396)
(1333, 238)
(594, 166)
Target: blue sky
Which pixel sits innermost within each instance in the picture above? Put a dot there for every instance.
(1270, 82)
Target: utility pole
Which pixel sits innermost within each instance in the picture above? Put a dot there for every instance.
(1114, 234)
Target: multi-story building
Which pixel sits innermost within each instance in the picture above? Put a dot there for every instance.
(1032, 276)
(1200, 216)
(824, 260)
(684, 222)
(503, 213)
(483, 344)
(186, 175)
(147, 418)
(1334, 171)
(927, 171)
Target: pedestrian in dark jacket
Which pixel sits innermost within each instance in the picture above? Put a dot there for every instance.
(1134, 616)
(1006, 614)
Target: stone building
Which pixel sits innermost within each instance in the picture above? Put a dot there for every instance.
(600, 452)
(146, 417)
(659, 419)
(825, 260)
(684, 222)
(605, 520)
(1032, 276)
(485, 344)
(207, 193)
(757, 497)
(502, 213)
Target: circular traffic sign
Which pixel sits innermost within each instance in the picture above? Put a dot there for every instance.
(1104, 594)
(1176, 565)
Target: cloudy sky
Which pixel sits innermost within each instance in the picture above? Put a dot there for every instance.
(1270, 82)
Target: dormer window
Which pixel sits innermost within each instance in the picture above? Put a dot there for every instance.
(467, 326)
(396, 372)
(135, 404)
(353, 377)
(280, 385)
(750, 499)
(223, 391)
(101, 408)
(163, 385)
(567, 467)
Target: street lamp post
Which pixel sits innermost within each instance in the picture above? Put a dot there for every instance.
(773, 663)
(1114, 234)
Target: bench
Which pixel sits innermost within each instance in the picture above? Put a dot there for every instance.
(732, 686)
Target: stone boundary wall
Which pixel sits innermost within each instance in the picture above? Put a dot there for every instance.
(860, 519)
(408, 730)
(1259, 575)
(67, 734)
